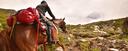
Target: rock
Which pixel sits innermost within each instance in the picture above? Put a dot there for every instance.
(113, 49)
(82, 40)
(69, 39)
(59, 49)
(71, 35)
(101, 38)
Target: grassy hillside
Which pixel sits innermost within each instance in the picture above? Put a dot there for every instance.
(4, 13)
(97, 36)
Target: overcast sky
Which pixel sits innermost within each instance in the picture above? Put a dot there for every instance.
(76, 11)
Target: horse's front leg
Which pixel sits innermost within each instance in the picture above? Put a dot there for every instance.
(44, 47)
(61, 45)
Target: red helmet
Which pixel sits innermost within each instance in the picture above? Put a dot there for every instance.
(25, 16)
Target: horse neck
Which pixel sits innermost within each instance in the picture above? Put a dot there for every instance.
(57, 22)
(24, 37)
(25, 29)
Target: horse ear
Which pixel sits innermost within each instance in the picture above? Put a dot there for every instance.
(63, 18)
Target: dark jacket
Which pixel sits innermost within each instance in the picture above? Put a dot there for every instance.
(43, 9)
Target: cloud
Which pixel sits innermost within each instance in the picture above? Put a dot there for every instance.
(77, 11)
(18, 4)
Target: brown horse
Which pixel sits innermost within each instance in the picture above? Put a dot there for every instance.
(24, 37)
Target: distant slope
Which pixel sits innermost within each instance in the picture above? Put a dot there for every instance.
(114, 24)
(3, 15)
(88, 37)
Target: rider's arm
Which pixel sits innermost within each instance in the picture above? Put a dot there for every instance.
(40, 11)
(50, 12)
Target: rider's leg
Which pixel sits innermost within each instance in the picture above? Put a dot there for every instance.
(51, 33)
(48, 29)
(48, 32)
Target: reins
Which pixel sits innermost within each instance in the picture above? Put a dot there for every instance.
(14, 22)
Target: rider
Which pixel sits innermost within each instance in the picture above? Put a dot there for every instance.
(43, 8)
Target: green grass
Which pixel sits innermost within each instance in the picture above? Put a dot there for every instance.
(84, 46)
(95, 49)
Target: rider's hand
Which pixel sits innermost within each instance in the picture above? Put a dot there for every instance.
(53, 18)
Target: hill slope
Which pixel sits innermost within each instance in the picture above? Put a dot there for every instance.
(4, 13)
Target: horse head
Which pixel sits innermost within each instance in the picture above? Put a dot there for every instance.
(61, 24)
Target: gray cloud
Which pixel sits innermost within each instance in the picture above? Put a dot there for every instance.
(94, 16)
